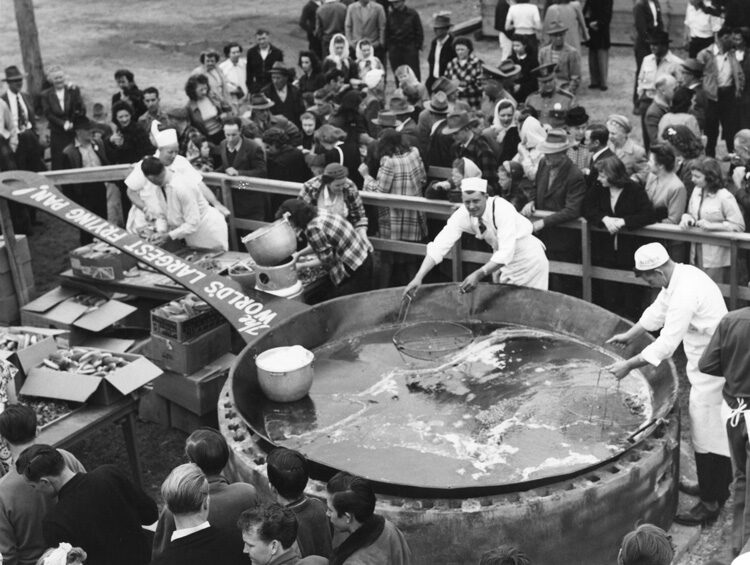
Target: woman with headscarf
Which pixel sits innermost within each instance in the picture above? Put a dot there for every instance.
(405, 77)
(532, 133)
(338, 58)
(366, 59)
(503, 133)
(466, 69)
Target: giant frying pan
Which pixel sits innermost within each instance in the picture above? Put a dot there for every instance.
(492, 304)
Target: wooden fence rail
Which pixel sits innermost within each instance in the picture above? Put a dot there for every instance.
(734, 291)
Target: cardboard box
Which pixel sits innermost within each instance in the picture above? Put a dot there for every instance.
(198, 393)
(184, 330)
(60, 308)
(154, 408)
(25, 358)
(44, 382)
(7, 288)
(101, 262)
(187, 358)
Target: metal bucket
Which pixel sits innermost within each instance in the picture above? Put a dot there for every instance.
(282, 381)
(270, 245)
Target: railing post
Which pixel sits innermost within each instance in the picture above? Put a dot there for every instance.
(457, 266)
(734, 274)
(226, 196)
(586, 259)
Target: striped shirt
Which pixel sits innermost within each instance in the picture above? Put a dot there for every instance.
(337, 244)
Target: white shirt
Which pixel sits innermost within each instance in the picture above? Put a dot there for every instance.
(511, 226)
(701, 24)
(670, 65)
(236, 75)
(14, 99)
(688, 309)
(264, 52)
(186, 207)
(723, 67)
(61, 97)
(654, 13)
(152, 195)
(185, 532)
(438, 49)
(524, 19)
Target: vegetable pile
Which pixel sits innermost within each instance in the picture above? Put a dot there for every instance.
(183, 309)
(84, 361)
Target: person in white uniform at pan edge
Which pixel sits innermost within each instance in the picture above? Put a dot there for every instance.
(687, 310)
(148, 201)
(518, 257)
(189, 216)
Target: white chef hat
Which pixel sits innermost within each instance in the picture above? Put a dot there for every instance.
(474, 184)
(650, 256)
(165, 137)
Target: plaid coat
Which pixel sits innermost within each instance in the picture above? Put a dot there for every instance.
(405, 175)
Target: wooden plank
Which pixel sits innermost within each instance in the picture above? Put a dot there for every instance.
(23, 292)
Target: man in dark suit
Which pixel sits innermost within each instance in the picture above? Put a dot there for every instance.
(560, 188)
(85, 153)
(648, 20)
(61, 104)
(596, 139)
(260, 59)
(286, 98)
(598, 16)
(441, 48)
(241, 156)
(29, 154)
(307, 23)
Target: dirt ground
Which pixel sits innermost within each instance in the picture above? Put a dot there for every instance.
(160, 42)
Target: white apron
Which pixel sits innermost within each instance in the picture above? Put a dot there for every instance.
(707, 426)
(212, 232)
(529, 266)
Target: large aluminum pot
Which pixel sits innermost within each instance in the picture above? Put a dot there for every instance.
(270, 245)
(285, 374)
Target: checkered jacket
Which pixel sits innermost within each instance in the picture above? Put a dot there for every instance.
(337, 244)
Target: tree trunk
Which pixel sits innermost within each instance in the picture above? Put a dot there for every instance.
(30, 52)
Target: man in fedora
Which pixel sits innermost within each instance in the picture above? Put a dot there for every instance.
(286, 98)
(260, 59)
(29, 153)
(499, 84)
(566, 57)
(404, 113)
(435, 111)
(549, 95)
(692, 78)
(472, 146)
(724, 82)
(404, 36)
(85, 153)
(661, 61)
(441, 48)
(263, 118)
(560, 187)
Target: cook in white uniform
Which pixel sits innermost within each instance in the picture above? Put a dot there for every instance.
(518, 257)
(148, 201)
(687, 309)
(188, 214)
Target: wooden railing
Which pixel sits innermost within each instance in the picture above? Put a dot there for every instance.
(440, 209)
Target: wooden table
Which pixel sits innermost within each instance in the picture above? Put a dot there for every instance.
(87, 420)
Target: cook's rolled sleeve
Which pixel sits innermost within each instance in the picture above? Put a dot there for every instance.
(457, 224)
(674, 317)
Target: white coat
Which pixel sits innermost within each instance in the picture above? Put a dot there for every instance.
(689, 310)
(509, 235)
